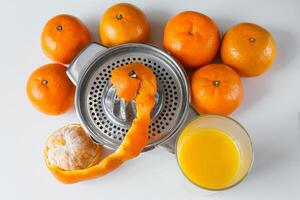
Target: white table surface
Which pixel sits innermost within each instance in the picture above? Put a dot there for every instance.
(270, 111)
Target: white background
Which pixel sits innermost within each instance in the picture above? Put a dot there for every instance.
(270, 111)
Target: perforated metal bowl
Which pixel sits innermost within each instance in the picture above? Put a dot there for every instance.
(106, 117)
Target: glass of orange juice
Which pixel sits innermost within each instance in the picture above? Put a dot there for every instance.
(214, 152)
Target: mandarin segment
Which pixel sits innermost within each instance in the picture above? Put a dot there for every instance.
(70, 148)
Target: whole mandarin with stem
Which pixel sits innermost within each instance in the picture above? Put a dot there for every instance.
(123, 23)
(216, 89)
(63, 37)
(50, 90)
(192, 38)
(249, 49)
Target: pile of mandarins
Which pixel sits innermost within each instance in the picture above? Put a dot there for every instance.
(246, 50)
(193, 38)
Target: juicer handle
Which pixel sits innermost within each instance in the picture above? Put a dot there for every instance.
(170, 144)
(84, 59)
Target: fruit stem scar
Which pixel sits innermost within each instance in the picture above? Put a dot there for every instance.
(59, 28)
(45, 82)
(119, 16)
(251, 39)
(216, 83)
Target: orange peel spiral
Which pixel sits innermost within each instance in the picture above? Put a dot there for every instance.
(142, 88)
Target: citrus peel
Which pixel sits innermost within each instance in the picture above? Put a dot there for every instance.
(143, 91)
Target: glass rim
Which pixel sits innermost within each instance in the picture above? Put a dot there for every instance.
(237, 123)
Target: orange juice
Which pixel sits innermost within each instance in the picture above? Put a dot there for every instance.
(208, 157)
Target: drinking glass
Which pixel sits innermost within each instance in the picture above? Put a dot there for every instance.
(233, 129)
